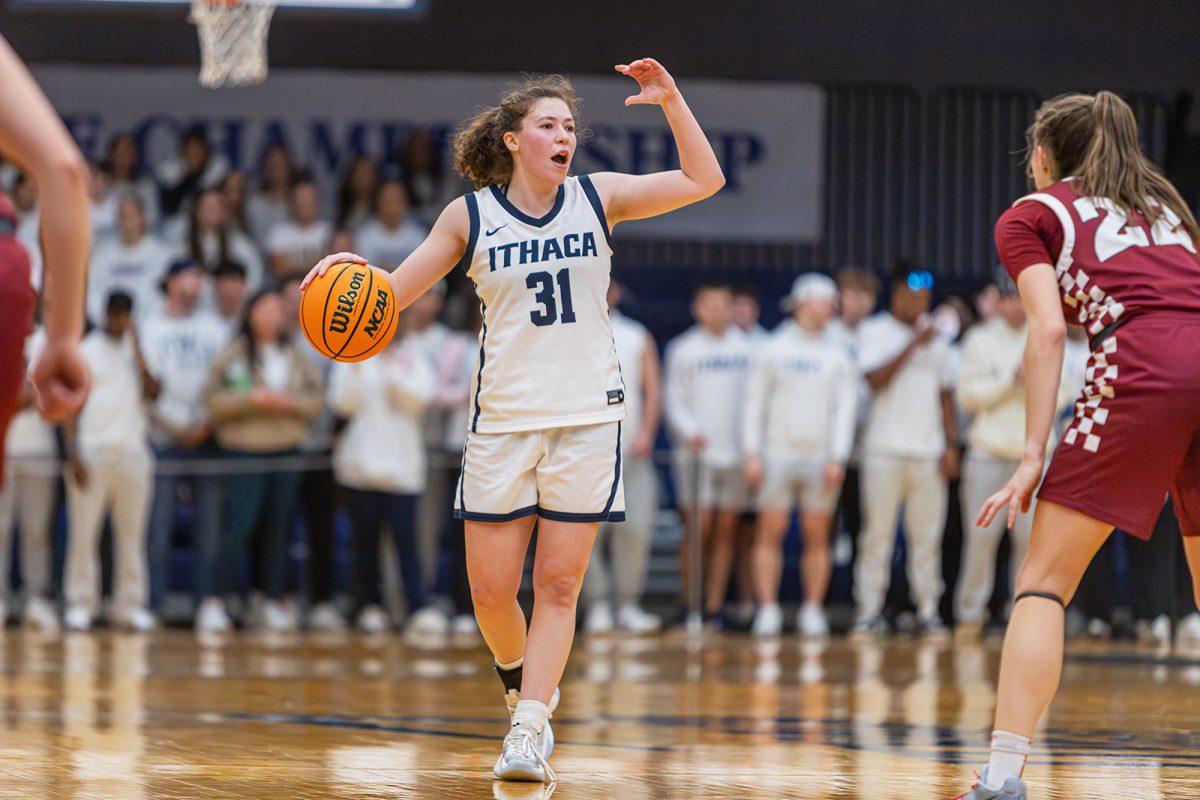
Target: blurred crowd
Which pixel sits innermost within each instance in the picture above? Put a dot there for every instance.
(220, 459)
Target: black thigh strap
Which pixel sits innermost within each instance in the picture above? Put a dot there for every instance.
(1043, 595)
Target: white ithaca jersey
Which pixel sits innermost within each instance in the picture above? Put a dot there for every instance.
(546, 352)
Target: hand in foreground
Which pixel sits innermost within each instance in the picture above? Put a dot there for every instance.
(656, 84)
(1016, 495)
(61, 379)
(325, 263)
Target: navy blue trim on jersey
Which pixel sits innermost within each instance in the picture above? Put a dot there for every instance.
(475, 516)
(537, 222)
(473, 236)
(616, 473)
(479, 377)
(566, 516)
(594, 198)
(462, 476)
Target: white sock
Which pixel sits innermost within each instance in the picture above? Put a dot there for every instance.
(532, 714)
(510, 666)
(1009, 752)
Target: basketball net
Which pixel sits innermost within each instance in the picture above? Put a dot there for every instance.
(233, 40)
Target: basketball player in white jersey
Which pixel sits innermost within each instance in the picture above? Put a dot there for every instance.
(544, 434)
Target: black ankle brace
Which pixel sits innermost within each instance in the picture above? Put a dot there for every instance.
(511, 678)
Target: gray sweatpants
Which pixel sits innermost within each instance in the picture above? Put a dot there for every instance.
(620, 574)
(28, 497)
(983, 476)
(916, 484)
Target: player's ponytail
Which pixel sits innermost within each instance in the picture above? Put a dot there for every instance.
(479, 150)
(1094, 139)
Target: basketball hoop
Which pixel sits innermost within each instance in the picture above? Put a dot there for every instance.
(233, 40)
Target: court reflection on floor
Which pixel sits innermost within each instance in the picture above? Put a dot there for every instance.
(341, 716)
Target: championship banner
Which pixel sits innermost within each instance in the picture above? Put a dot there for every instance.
(769, 137)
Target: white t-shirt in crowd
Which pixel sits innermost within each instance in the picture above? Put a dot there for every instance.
(28, 435)
(631, 339)
(263, 214)
(705, 376)
(906, 415)
(239, 248)
(28, 234)
(801, 398)
(386, 248)
(114, 417)
(302, 247)
(179, 352)
(275, 367)
(136, 269)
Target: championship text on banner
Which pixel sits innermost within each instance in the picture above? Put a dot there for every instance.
(768, 136)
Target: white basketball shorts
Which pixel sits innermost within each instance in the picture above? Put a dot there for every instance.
(561, 474)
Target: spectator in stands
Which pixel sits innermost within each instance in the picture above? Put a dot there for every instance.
(797, 434)
(386, 239)
(230, 290)
(28, 496)
(706, 370)
(262, 395)
(454, 370)
(991, 386)
(908, 451)
(746, 313)
(25, 199)
(380, 460)
(126, 174)
(356, 197)
(268, 205)
(104, 206)
(133, 263)
(233, 190)
(111, 472)
(319, 494)
(616, 579)
(212, 239)
(180, 342)
(987, 301)
(858, 292)
(302, 240)
(430, 185)
(196, 169)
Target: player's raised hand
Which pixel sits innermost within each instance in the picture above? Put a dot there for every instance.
(656, 84)
(328, 261)
(1016, 496)
(61, 379)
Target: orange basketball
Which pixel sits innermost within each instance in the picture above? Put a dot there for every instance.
(349, 313)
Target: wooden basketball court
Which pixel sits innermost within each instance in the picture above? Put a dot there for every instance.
(344, 716)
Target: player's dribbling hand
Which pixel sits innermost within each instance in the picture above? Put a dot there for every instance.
(61, 379)
(328, 261)
(656, 84)
(1016, 495)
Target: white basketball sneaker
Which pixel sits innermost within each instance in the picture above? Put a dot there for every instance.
(524, 757)
(768, 621)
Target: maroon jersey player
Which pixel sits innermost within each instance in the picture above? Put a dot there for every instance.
(32, 136)
(1107, 243)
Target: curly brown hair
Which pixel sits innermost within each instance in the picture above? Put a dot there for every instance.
(479, 150)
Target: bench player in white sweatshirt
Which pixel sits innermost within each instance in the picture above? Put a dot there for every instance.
(797, 433)
(706, 369)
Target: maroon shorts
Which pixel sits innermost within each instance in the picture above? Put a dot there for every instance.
(1136, 433)
(17, 300)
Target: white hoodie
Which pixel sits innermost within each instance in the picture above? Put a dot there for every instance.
(382, 449)
(801, 399)
(705, 376)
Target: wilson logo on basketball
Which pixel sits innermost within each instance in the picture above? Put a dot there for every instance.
(349, 313)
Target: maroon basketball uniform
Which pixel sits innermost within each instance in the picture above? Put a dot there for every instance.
(1136, 289)
(17, 299)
